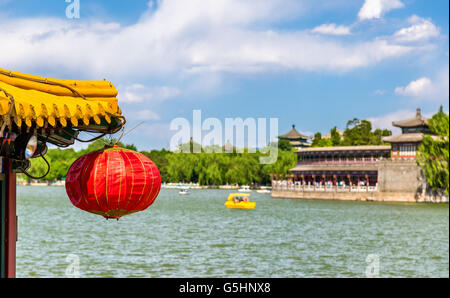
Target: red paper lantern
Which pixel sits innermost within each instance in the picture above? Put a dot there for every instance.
(113, 182)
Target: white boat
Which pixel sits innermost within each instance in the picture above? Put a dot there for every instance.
(245, 188)
(184, 191)
(264, 189)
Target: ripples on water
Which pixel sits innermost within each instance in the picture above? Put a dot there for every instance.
(196, 236)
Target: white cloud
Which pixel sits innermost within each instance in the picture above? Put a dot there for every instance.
(385, 121)
(147, 115)
(424, 88)
(268, 51)
(375, 9)
(307, 133)
(419, 87)
(181, 38)
(146, 136)
(137, 93)
(332, 29)
(420, 30)
(379, 92)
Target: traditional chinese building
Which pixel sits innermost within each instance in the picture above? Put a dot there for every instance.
(405, 145)
(369, 173)
(352, 165)
(296, 139)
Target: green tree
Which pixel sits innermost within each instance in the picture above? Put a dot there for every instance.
(317, 138)
(38, 167)
(318, 141)
(60, 160)
(335, 137)
(160, 158)
(101, 143)
(284, 145)
(234, 173)
(358, 132)
(433, 153)
(206, 167)
(285, 162)
(94, 146)
(378, 134)
(130, 147)
(211, 170)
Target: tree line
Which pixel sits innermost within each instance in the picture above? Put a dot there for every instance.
(243, 168)
(357, 133)
(205, 168)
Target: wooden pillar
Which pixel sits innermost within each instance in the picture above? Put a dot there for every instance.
(10, 221)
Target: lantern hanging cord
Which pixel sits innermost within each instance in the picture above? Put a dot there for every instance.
(128, 132)
(122, 125)
(123, 131)
(121, 135)
(122, 119)
(91, 140)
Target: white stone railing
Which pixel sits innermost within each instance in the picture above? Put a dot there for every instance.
(287, 186)
(338, 162)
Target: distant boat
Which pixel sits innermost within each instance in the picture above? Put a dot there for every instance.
(264, 190)
(184, 191)
(245, 188)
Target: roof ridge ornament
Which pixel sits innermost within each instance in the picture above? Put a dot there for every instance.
(416, 121)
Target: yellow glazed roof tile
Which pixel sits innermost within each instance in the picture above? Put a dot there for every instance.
(47, 102)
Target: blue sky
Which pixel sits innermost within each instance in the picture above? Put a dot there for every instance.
(313, 63)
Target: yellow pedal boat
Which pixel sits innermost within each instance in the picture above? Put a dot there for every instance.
(239, 201)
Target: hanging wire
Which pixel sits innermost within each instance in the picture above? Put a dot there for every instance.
(33, 177)
(88, 141)
(46, 161)
(110, 132)
(128, 132)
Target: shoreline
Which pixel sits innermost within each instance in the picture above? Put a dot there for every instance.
(371, 197)
(163, 185)
(378, 196)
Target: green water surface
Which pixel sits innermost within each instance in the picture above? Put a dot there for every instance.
(196, 236)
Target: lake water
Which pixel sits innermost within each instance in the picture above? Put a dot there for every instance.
(196, 236)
